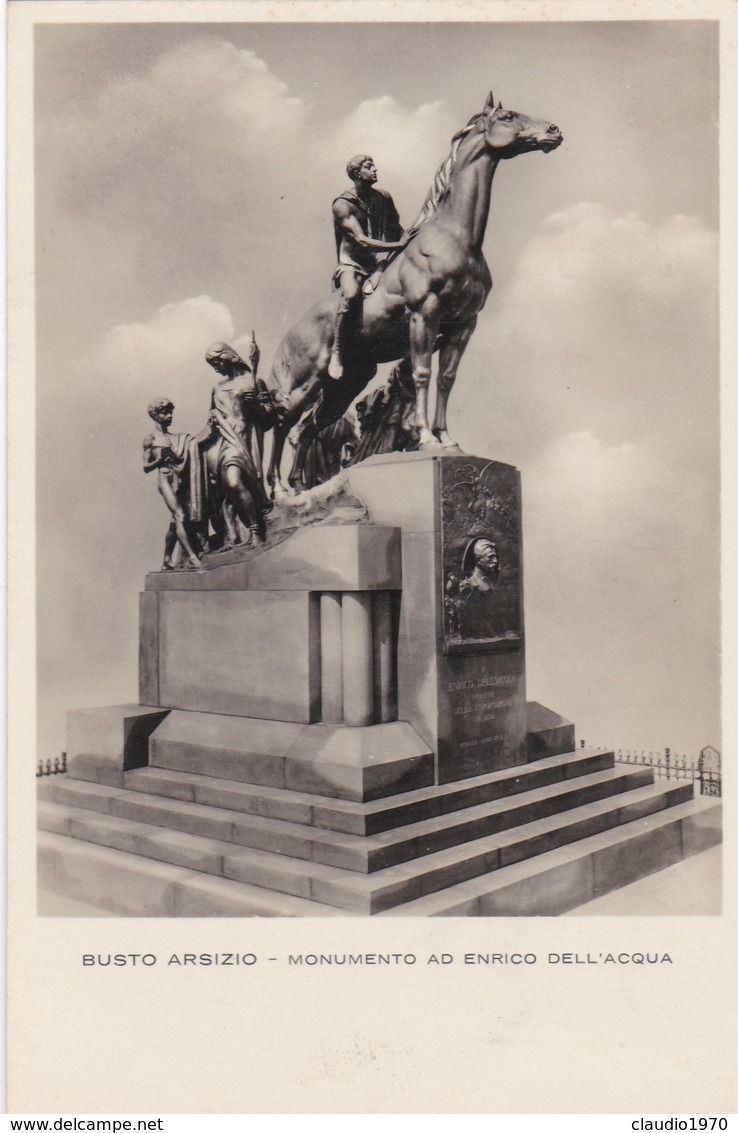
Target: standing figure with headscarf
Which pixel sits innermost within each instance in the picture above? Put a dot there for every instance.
(241, 411)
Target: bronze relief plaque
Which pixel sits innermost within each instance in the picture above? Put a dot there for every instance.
(481, 557)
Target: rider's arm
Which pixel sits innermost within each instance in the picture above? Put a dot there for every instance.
(394, 227)
(345, 217)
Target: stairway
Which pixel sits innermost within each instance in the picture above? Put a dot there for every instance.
(533, 840)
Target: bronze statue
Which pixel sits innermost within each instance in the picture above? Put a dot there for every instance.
(387, 416)
(366, 222)
(427, 298)
(332, 450)
(170, 454)
(241, 410)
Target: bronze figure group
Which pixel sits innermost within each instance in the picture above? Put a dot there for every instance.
(213, 483)
(399, 296)
(424, 297)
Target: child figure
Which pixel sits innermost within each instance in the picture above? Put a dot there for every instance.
(169, 453)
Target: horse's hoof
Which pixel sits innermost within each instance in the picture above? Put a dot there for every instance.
(430, 445)
(446, 441)
(282, 495)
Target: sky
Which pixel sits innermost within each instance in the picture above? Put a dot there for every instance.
(184, 176)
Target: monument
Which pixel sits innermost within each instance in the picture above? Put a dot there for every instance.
(332, 710)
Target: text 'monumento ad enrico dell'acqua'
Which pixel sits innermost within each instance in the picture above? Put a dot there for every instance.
(332, 708)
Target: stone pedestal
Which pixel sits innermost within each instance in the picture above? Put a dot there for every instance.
(302, 632)
(415, 615)
(338, 725)
(461, 652)
(104, 743)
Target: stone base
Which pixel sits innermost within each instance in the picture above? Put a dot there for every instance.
(185, 838)
(103, 743)
(335, 761)
(548, 733)
(391, 618)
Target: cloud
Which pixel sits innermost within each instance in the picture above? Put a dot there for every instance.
(622, 593)
(204, 174)
(202, 98)
(407, 144)
(590, 240)
(166, 346)
(178, 173)
(607, 322)
(91, 440)
(594, 371)
(101, 519)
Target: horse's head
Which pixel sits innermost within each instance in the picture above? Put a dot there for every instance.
(508, 133)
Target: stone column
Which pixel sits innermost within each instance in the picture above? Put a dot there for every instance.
(358, 679)
(331, 658)
(385, 707)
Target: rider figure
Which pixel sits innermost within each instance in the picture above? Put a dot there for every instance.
(366, 222)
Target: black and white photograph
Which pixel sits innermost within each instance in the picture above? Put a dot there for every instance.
(372, 552)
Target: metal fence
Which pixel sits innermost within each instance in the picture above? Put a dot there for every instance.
(58, 767)
(706, 769)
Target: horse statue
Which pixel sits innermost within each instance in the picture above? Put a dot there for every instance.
(426, 299)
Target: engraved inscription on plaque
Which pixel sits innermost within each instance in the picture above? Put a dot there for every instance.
(481, 557)
(483, 710)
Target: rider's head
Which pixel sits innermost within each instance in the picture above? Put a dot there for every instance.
(161, 407)
(224, 359)
(356, 166)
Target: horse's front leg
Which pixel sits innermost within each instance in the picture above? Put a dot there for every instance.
(296, 477)
(453, 345)
(424, 322)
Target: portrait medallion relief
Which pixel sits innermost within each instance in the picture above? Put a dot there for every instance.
(481, 557)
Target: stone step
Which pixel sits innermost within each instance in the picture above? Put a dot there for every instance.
(421, 838)
(139, 840)
(350, 817)
(437, 871)
(361, 893)
(131, 886)
(348, 851)
(563, 879)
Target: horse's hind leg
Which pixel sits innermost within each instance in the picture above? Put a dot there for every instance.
(274, 475)
(453, 345)
(296, 477)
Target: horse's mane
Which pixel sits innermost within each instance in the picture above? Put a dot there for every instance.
(439, 188)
